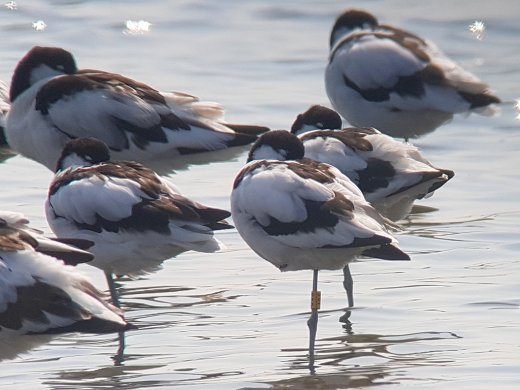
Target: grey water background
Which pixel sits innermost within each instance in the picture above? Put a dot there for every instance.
(447, 319)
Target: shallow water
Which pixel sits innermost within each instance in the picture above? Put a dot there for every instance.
(447, 319)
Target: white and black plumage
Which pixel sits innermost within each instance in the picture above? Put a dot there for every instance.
(5, 105)
(392, 175)
(53, 102)
(135, 219)
(384, 77)
(70, 250)
(41, 294)
(301, 214)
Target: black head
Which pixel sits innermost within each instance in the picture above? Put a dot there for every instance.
(316, 118)
(40, 63)
(83, 152)
(277, 145)
(351, 20)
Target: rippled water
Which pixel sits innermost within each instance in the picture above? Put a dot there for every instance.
(448, 319)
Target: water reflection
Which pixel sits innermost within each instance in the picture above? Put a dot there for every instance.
(169, 165)
(16, 346)
(166, 166)
(169, 297)
(131, 376)
(362, 360)
(357, 378)
(13, 347)
(135, 370)
(106, 377)
(441, 229)
(417, 221)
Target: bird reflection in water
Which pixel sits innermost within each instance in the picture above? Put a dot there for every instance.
(361, 360)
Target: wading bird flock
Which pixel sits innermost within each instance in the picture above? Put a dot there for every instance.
(313, 198)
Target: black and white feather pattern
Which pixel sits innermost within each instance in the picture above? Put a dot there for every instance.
(384, 77)
(39, 293)
(5, 106)
(303, 214)
(71, 251)
(135, 219)
(53, 102)
(391, 174)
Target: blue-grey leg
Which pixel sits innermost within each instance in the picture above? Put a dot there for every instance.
(119, 357)
(112, 288)
(348, 284)
(312, 323)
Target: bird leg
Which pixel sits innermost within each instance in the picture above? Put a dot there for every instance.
(312, 323)
(348, 284)
(119, 357)
(113, 290)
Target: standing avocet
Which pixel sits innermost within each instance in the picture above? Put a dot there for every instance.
(135, 219)
(300, 214)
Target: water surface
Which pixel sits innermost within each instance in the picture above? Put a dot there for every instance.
(447, 319)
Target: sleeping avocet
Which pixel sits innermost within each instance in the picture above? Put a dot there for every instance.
(392, 175)
(135, 219)
(71, 251)
(41, 294)
(301, 214)
(53, 102)
(384, 77)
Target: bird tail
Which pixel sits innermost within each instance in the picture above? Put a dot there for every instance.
(386, 252)
(247, 129)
